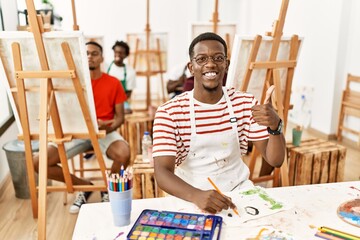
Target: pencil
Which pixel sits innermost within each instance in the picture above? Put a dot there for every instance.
(218, 190)
(327, 236)
(338, 233)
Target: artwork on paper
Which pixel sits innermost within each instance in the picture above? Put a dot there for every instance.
(252, 204)
(350, 212)
(158, 45)
(226, 30)
(239, 59)
(70, 112)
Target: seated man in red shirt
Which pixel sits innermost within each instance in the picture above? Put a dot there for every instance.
(109, 97)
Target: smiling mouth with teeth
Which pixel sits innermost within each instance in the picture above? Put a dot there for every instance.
(210, 74)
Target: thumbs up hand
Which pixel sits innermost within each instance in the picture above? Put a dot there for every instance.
(265, 114)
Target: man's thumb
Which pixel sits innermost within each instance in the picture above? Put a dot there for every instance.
(269, 93)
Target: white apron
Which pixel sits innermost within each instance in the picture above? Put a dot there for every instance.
(215, 155)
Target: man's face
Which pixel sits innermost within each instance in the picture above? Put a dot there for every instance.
(208, 72)
(119, 54)
(94, 56)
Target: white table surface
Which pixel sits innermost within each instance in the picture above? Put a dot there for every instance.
(313, 205)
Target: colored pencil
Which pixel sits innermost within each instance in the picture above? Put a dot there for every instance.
(218, 190)
(338, 233)
(327, 236)
(122, 171)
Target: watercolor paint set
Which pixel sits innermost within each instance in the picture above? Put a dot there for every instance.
(154, 225)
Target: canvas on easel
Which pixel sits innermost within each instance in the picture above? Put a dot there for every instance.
(71, 122)
(264, 68)
(148, 56)
(137, 57)
(241, 52)
(52, 100)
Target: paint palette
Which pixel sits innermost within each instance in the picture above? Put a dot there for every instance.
(350, 212)
(154, 225)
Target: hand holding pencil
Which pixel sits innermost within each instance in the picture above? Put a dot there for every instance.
(213, 201)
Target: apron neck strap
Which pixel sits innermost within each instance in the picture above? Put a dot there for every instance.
(233, 119)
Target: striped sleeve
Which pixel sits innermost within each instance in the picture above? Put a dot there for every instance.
(164, 141)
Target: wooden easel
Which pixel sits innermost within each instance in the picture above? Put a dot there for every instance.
(215, 20)
(272, 77)
(148, 53)
(48, 108)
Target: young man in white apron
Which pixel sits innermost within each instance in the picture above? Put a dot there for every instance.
(203, 133)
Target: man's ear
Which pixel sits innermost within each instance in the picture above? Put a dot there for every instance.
(227, 65)
(190, 67)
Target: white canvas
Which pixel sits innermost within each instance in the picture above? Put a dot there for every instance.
(71, 116)
(239, 58)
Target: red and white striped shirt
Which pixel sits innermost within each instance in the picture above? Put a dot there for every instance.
(172, 130)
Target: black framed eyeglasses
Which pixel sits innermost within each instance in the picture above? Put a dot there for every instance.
(203, 59)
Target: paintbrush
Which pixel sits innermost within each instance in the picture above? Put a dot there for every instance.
(218, 190)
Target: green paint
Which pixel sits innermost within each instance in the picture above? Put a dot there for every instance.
(263, 195)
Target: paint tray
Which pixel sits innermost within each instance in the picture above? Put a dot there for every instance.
(154, 224)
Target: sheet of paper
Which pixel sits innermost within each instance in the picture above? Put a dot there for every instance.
(252, 204)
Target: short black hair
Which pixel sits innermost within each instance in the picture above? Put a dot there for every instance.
(123, 45)
(96, 44)
(203, 37)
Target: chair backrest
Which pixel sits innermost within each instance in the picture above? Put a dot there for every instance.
(350, 106)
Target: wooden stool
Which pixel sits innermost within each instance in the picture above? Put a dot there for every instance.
(145, 185)
(135, 126)
(316, 161)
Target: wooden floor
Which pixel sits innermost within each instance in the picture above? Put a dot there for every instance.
(16, 221)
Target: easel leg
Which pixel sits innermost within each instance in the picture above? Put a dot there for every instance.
(26, 129)
(43, 158)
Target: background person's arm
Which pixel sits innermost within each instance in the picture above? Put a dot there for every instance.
(173, 85)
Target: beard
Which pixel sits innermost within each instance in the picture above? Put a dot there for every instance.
(92, 68)
(210, 89)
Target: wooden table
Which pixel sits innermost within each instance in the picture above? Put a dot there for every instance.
(313, 205)
(316, 161)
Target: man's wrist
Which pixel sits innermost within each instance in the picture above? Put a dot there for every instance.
(278, 129)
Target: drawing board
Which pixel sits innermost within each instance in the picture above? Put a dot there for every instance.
(68, 105)
(239, 59)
